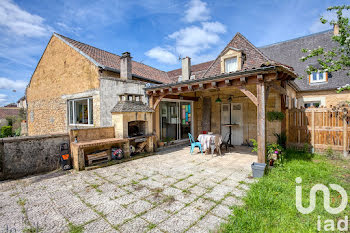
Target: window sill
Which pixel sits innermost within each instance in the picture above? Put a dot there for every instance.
(319, 82)
(81, 125)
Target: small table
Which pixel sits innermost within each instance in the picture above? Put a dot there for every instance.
(205, 140)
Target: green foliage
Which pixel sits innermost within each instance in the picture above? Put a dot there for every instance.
(274, 152)
(255, 145)
(10, 120)
(270, 203)
(281, 139)
(337, 58)
(275, 116)
(6, 131)
(18, 132)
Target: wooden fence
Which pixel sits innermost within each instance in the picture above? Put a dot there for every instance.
(321, 128)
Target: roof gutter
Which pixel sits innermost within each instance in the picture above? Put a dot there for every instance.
(239, 73)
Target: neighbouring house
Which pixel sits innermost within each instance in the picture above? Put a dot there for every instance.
(22, 103)
(317, 89)
(6, 112)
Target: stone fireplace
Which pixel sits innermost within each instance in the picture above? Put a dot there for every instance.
(131, 117)
(136, 128)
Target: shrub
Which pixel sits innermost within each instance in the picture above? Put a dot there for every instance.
(6, 131)
(281, 139)
(275, 116)
(255, 145)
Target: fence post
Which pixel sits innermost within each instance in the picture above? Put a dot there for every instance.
(345, 137)
(313, 130)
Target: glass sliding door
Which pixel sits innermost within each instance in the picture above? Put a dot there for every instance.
(169, 117)
(185, 119)
(175, 120)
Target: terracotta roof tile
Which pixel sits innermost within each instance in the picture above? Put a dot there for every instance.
(8, 111)
(111, 60)
(197, 70)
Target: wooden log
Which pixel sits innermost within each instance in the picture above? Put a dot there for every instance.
(345, 137)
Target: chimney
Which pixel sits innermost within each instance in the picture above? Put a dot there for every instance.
(186, 68)
(336, 30)
(125, 66)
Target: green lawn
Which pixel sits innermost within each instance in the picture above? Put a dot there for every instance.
(270, 203)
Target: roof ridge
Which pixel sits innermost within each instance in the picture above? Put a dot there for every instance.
(104, 51)
(227, 45)
(296, 38)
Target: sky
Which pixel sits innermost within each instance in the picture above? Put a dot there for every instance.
(155, 32)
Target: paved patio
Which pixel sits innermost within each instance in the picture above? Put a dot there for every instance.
(168, 192)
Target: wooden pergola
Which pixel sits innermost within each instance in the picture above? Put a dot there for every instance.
(264, 78)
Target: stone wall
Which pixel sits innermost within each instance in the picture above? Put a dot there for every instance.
(22, 156)
(330, 97)
(110, 89)
(60, 71)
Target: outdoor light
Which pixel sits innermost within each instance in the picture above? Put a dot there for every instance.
(218, 100)
(229, 99)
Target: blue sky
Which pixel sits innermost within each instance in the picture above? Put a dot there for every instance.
(156, 32)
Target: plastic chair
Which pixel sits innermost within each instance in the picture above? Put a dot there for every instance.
(194, 144)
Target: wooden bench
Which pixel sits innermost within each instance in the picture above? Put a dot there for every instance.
(92, 140)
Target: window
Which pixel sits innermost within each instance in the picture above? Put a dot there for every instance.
(315, 104)
(231, 64)
(80, 111)
(318, 77)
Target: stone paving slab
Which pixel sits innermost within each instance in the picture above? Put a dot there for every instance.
(171, 191)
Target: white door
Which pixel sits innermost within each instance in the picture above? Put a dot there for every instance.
(237, 118)
(236, 121)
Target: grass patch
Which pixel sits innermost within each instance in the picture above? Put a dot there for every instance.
(270, 203)
(74, 228)
(151, 226)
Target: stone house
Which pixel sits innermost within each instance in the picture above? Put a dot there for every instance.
(76, 85)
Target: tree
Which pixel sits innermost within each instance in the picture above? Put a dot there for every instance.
(337, 58)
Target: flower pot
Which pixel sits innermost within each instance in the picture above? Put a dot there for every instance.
(258, 169)
(160, 144)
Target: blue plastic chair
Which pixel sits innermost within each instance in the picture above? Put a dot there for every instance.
(194, 144)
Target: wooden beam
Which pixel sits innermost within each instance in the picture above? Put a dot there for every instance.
(243, 80)
(250, 95)
(157, 101)
(261, 122)
(279, 89)
(267, 93)
(182, 97)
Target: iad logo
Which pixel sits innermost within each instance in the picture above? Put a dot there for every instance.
(325, 190)
(329, 224)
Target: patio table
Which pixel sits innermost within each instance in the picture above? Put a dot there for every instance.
(205, 140)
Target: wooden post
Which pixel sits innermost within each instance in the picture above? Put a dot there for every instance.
(313, 130)
(345, 137)
(261, 121)
(287, 125)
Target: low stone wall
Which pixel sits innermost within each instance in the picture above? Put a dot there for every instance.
(22, 156)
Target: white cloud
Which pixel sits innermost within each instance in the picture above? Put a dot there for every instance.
(192, 40)
(3, 98)
(21, 22)
(317, 26)
(9, 84)
(162, 55)
(197, 11)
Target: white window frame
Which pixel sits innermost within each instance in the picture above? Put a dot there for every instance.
(72, 101)
(318, 80)
(235, 68)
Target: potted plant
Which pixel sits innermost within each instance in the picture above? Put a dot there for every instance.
(274, 151)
